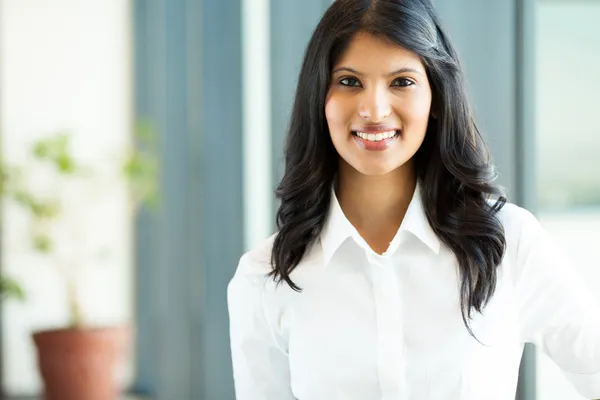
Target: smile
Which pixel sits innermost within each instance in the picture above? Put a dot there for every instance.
(376, 137)
(379, 141)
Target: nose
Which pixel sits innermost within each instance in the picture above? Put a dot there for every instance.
(375, 105)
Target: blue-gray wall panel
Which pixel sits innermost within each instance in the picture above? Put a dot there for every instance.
(188, 83)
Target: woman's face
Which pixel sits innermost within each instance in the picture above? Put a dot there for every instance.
(378, 105)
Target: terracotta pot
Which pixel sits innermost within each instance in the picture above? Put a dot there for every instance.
(81, 364)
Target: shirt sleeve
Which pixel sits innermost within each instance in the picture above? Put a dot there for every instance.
(558, 312)
(260, 363)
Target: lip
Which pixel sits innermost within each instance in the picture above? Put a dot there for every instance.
(375, 128)
(379, 145)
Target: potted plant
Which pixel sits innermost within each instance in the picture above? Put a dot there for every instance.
(78, 361)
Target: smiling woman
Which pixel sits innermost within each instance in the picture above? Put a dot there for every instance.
(399, 270)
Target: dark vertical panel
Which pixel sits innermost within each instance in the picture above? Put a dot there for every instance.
(188, 82)
(195, 229)
(175, 355)
(525, 143)
(222, 183)
(525, 105)
(147, 67)
(485, 34)
(292, 23)
(163, 356)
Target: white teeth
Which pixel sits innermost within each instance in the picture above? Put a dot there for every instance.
(372, 137)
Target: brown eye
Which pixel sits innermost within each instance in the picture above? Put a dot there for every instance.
(349, 82)
(402, 82)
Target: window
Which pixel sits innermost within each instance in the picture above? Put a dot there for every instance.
(568, 146)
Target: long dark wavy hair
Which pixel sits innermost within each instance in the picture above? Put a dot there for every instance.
(453, 163)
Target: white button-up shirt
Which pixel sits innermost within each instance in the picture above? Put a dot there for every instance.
(368, 326)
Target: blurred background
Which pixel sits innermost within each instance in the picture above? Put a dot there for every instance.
(141, 142)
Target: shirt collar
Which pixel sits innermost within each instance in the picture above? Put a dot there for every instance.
(337, 227)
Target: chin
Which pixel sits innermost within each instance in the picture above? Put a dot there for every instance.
(375, 169)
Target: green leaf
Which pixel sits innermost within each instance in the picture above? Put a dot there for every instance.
(24, 199)
(47, 210)
(141, 169)
(56, 150)
(9, 288)
(39, 208)
(42, 243)
(65, 164)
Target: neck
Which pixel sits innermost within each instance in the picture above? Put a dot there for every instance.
(375, 205)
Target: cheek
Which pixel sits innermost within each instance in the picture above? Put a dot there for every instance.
(422, 107)
(415, 115)
(419, 104)
(338, 113)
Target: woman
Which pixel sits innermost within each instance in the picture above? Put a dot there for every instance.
(398, 270)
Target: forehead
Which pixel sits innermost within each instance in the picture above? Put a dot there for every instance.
(367, 52)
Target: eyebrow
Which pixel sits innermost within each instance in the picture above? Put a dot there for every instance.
(396, 72)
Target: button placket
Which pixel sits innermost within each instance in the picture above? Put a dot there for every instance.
(390, 346)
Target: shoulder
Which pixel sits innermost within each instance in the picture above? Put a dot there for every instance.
(252, 275)
(523, 231)
(252, 294)
(253, 268)
(257, 261)
(245, 288)
(517, 221)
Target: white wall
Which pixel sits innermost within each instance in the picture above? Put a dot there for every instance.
(578, 233)
(568, 137)
(65, 65)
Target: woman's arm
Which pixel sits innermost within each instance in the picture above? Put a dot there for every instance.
(260, 362)
(557, 310)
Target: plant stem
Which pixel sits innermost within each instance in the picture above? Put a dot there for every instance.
(75, 311)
